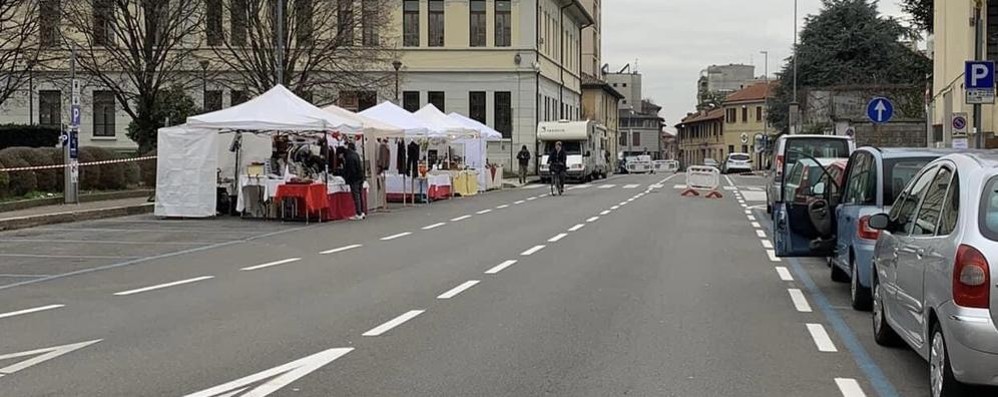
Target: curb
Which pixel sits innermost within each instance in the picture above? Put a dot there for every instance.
(24, 222)
(84, 198)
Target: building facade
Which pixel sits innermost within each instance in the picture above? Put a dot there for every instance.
(628, 84)
(745, 118)
(701, 136)
(721, 80)
(599, 103)
(641, 131)
(508, 64)
(952, 44)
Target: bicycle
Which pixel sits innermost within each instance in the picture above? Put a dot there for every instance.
(557, 183)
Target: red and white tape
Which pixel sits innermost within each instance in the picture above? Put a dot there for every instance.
(58, 166)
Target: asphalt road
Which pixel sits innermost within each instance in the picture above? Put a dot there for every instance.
(621, 287)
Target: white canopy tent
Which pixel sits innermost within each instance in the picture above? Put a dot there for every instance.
(412, 126)
(371, 126)
(443, 124)
(190, 155)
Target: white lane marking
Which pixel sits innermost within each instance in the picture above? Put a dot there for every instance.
(631, 186)
(341, 249)
(622, 203)
(577, 227)
(756, 225)
(766, 244)
(616, 207)
(748, 212)
(679, 187)
(518, 202)
(800, 302)
(502, 207)
(395, 322)
(42, 355)
(500, 267)
(593, 219)
(655, 186)
(849, 387)
(395, 236)
(531, 198)
(821, 339)
(543, 195)
(760, 233)
(784, 273)
(751, 218)
(459, 289)
(730, 188)
(604, 212)
(532, 250)
(730, 183)
(277, 377)
(772, 256)
(32, 310)
(483, 212)
(460, 218)
(608, 186)
(271, 264)
(535, 186)
(434, 226)
(161, 286)
(557, 237)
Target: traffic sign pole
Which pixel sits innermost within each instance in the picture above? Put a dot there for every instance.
(71, 147)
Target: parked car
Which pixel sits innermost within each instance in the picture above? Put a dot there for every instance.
(710, 163)
(789, 148)
(804, 184)
(933, 284)
(740, 162)
(874, 178)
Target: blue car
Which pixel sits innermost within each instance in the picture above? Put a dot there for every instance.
(873, 179)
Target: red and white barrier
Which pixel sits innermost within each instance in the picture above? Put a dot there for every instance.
(701, 178)
(58, 166)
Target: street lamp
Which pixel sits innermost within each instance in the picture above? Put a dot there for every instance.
(204, 83)
(794, 106)
(765, 122)
(397, 64)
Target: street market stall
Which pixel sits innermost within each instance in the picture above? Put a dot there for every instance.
(292, 176)
(489, 175)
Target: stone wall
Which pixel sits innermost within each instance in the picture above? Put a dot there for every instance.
(895, 134)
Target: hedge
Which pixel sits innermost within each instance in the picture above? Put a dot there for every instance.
(116, 176)
(14, 135)
(47, 180)
(4, 180)
(20, 182)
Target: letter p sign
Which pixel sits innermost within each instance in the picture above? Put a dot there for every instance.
(980, 75)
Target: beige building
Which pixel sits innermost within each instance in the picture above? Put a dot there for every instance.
(701, 136)
(599, 99)
(744, 118)
(952, 45)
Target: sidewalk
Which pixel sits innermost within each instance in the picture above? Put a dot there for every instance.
(512, 183)
(52, 214)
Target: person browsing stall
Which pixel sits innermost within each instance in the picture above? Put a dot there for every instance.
(353, 174)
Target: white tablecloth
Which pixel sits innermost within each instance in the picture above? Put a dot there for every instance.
(269, 188)
(395, 183)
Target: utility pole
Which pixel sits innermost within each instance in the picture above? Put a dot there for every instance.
(71, 144)
(978, 47)
(794, 106)
(280, 42)
(765, 120)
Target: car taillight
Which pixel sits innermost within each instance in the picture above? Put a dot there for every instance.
(864, 231)
(779, 165)
(971, 279)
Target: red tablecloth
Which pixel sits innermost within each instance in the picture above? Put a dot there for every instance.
(312, 196)
(340, 205)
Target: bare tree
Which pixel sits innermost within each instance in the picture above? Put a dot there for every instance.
(328, 46)
(19, 44)
(136, 48)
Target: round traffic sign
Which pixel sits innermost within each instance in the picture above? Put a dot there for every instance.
(880, 110)
(959, 123)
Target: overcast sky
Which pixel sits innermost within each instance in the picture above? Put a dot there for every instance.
(673, 40)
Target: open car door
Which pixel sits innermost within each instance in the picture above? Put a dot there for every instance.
(804, 219)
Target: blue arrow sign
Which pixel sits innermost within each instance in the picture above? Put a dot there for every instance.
(880, 110)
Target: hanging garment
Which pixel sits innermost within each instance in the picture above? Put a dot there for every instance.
(400, 163)
(413, 159)
(383, 159)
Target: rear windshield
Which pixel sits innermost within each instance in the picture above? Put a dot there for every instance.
(739, 156)
(570, 147)
(989, 210)
(815, 147)
(897, 174)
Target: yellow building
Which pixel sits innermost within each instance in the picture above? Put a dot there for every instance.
(701, 136)
(951, 46)
(744, 118)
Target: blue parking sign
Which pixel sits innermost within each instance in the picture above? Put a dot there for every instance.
(74, 115)
(979, 81)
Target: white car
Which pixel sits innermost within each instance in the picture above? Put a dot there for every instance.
(711, 163)
(737, 162)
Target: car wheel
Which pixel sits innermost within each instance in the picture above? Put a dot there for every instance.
(839, 275)
(941, 379)
(883, 333)
(860, 296)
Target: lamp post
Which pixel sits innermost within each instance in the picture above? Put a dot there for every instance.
(204, 83)
(794, 106)
(765, 121)
(397, 64)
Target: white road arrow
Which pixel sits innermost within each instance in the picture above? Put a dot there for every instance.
(280, 376)
(42, 355)
(880, 108)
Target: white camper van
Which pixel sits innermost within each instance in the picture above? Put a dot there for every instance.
(584, 143)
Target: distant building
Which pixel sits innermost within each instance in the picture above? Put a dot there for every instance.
(745, 117)
(722, 80)
(641, 131)
(627, 83)
(599, 103)
(701, 136)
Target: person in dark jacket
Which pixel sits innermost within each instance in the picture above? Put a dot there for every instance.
(558, 164)
(353, 174)
(524, 157)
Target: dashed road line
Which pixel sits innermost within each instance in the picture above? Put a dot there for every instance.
(608, 186)
(271, 264)
(502, 207)
(434, 226)
(161, 286)
(518, 202)
(614, 208)
(800, 302)
(460, 218)
(849, 387)
(395, 236)
(604, 212)
(341, 249)
(766, 244)
(457, 290)
(531, 198)
(759, 233)
(772, 256)
(395, 322)
(756, 225)
(593, 219)
(31, 310)
(784, 273)
(821, 338)
(576, 227)
(500, 267)
(483, 212)
(751, 218)
(557, 237)
(532, 250)
(631, 186)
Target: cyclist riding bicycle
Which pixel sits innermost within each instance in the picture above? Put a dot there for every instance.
(557, 165)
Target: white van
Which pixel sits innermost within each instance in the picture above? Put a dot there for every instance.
(584, 143)
(791, 147)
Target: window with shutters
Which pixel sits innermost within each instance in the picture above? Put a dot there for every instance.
(103, 17)
(344, 20)
(213, 22)
(49, 18)
(103, 114)
(410, 23)
(504, 113)
(477, 23)
(504, 23)
(50, 108)
(369, 22)
(436, 23)
(476, 106)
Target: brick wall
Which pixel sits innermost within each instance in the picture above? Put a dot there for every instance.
(894, 134)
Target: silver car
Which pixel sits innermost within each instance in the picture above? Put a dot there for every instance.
(933, 285)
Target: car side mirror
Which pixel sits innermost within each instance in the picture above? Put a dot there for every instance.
(879, 222)
(818, 189)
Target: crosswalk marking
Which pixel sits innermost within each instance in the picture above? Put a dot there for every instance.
(631, 186)
(607, 186)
